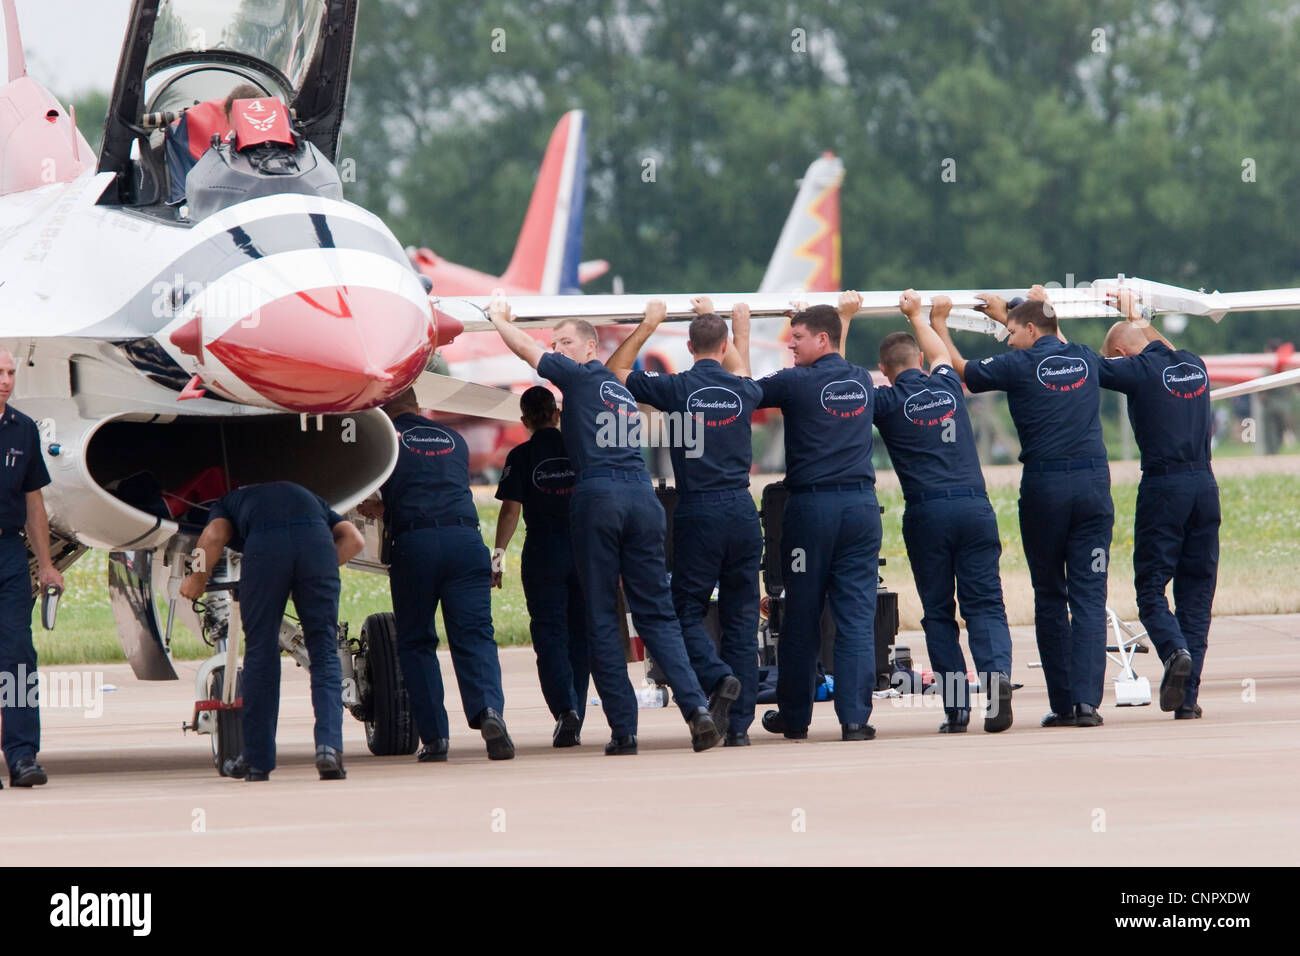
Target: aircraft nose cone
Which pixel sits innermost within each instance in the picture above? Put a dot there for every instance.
(332, 349)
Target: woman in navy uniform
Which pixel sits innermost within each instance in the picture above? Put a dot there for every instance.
(538, 480)
(1176, 527)
(292, 544)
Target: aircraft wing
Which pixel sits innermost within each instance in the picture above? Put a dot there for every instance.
(548, 311)
(446, 394)
(1169, 298)
(1280, 380)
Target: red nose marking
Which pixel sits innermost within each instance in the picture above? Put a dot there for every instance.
(332, 349)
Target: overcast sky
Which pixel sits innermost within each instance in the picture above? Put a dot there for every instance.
(72, 45)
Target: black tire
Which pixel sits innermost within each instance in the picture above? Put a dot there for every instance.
(228, 736)
(391, 727)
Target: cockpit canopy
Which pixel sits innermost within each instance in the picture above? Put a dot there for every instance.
(277, 37)
(179, 53)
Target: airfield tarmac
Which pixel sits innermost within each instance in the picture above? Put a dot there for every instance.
(127, 788)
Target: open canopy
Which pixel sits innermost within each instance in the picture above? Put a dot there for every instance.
(278, 37)
(180, 52)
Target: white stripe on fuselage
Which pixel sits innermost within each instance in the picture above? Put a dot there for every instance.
(287, 204)
(69, 264)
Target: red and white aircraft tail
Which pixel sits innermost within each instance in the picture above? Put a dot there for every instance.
(547, 256)
(807, 256)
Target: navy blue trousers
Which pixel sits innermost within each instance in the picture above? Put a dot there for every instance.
(20, 715)
(618, 529)
(717, 541)
(451, 566)
(957, 538)
(298, 560)
(557, 616)
(830, 548)
(1176, 537)
(1066, 520)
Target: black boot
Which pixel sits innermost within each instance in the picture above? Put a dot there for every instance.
(329, 763)
(774, 723)
(435, 752)
(567, 730)
(704, 732)
(493, 728)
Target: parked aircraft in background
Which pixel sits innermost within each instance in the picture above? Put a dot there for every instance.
(546, 261)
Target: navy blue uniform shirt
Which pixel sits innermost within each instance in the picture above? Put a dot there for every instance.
(1053, 390)
(431, 479)
(827, 409)
(599, 421)
(926, 427)
(718, 406)
(275, 503)
(1168, 403)
(538, 475)
(24, 468)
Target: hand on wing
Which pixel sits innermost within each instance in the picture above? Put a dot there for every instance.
(656, 310)
(994, 306)
(909, 303)
(940, 306)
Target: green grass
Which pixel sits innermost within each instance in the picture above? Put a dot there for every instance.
(1260, 552)
(85, 633)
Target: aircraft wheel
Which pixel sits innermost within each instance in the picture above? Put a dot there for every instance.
(228, 737)
(391, 727)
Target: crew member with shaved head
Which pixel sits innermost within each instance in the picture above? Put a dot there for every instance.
(949, 526)
(293, 545)
(438, 557)
(1176, 527)
(1066, 514)
(22, 509)
(830, 537)
(717, 540)
(618, 530)
(538, 481)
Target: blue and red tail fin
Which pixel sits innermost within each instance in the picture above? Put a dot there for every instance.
(549, 249)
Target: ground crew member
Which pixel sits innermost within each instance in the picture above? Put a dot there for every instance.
(538, 479)
(1176, 528)
(618, 528)
(1066, 514)
(948, 524)
(830, 538)
(438, 555)
(292, 544)
(717, 540)
(21, 507)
